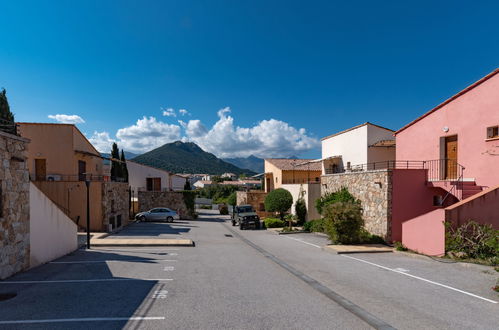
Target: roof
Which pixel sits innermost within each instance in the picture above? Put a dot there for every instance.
(295, 164)
(355, 127)
(384, 143)
(464, 91)
(203, 182)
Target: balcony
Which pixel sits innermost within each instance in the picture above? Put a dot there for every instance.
(75, 178)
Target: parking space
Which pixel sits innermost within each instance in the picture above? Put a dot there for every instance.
(174, 230)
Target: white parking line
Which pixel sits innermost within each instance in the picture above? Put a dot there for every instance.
(92, 280)
(102, 261)
(299, 240)
(88, 319)
(421, 279)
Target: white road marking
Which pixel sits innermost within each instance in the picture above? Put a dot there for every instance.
(88, 319)
(169, 268)
(92, 280)
(160, 294)
(422, 279)
(403, 270)
(159, 249)
(299, 240)
(101, 261)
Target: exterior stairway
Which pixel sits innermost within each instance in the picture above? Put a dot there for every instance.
(470, 188)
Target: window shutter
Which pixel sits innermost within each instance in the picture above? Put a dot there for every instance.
(490, 132)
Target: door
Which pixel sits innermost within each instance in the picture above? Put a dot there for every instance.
(451, 157)
(82, 170)
(40, 169)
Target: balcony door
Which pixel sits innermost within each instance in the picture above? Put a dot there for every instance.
(40, 169)
(82, 170)
(451, 157)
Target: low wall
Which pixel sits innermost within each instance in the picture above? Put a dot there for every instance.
(374, 190)
(14, 205)
(425, 233)
(482, 208)
(311, 192)
(255, 198)
(53, 234)
(170, 199)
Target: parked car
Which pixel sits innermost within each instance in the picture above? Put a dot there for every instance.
(158, 214)
(245, 216)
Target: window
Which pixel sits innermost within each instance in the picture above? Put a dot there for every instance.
(492, 132)
(153, 184)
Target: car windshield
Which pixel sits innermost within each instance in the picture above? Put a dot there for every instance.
(244, 209)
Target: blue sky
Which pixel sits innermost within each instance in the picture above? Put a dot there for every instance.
(291, 72)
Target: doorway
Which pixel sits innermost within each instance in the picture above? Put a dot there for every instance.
(451, 157)
(40, 169)
(82, 170)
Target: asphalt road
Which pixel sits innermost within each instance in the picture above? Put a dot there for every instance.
(237, 279)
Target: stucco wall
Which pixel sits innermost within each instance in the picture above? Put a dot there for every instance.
(138, 174)
(115, 203)
(311, 192)
(374, 189)
(170, 199)
(275, 178)
(177, 182)
(468, 116)
(14, 206)
(425, 233)
(53, 234)
(351, 146)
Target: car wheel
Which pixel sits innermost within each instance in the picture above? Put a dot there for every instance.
(142, 218)
(169, 219)
(233, 223)
(241, 226)
(257, 225)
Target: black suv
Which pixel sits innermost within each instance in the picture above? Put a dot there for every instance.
(245, 216)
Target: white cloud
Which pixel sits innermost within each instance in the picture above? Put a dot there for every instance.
(67, 119)
(147, 134)
(169, 112)
(184, 112)
(269, 138)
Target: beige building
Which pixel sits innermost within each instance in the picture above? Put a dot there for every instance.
(60, 159)
(279, 171)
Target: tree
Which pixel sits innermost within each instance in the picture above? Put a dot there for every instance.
(187, 185)
(116, 169)
(7, 121)
(232, 199)
(279, 200)
(124, 169)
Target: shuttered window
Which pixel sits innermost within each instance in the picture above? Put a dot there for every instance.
(492, 132)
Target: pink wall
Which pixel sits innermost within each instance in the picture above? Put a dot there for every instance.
(410, 198)
(482, 208)
(426, 233)
(468, 116)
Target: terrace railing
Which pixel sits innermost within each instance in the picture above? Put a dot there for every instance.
(76, 178)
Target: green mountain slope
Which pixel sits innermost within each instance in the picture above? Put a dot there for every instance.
(253, 163)
(180, 157)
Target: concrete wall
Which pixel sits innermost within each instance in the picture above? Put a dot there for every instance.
(138, 174)
(311, 192)
(170, 199)
(374, 189)
(482, 208)
(425, 233)
(14, 205)
(351, 145)
(468, 116)
(53, 234)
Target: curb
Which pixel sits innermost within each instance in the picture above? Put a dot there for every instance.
(188, 244)
(445, 261)
(291, 232)
(333, 251)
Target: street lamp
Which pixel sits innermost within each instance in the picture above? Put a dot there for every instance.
(87, 183)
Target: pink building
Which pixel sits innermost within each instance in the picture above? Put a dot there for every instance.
(457, 143)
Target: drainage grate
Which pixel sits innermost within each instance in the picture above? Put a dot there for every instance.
(227, 235)
(7, 296)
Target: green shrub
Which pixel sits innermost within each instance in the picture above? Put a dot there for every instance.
(344, 222)
(274, 223)
(232, 199)
(474, 241)
(399, 246)
(314, 226)
(342, 195)
(224, 210)
(368, 238)
(279, 200)
(301, 211)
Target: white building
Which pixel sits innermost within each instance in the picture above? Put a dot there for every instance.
(357, 146)
(178, 181)
(202, 183)
(147, 178)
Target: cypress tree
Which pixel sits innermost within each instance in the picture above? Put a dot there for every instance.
(116, 170)
(7, 123)
(124, 169)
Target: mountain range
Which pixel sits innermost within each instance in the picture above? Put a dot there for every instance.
(188, 157)
(253, 163)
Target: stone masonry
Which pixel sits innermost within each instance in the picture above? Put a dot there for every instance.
(14, 205)
(374, 189)
(255, 198)
(170, 199)
(115, 204)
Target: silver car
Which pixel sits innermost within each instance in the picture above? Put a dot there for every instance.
(158, 214)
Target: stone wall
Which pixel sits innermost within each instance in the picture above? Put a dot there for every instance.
(170, 199)
(374, 189)
(115, 205)
(255, 198)
(14, 205)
